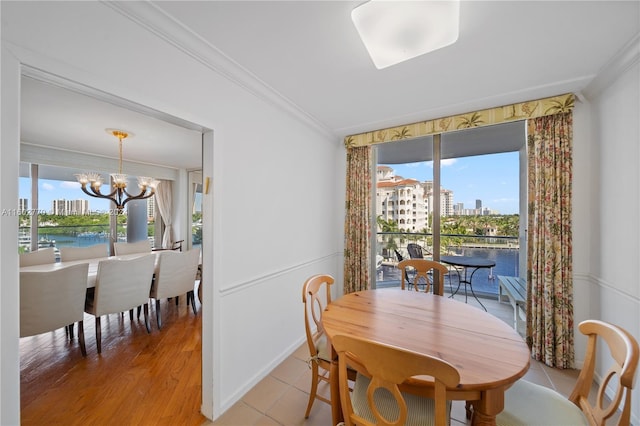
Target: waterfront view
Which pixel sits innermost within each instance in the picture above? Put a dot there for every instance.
(485, 282)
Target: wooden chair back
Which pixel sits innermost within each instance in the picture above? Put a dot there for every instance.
(623, 350)
(38, 257)
(131, 248)
(80, 253)
(423, 268)
(388, 367)
(315, 301)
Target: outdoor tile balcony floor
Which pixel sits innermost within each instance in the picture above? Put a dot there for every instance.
(281, 398)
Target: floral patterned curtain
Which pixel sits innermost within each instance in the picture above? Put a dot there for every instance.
(358, 215)
(549, 247)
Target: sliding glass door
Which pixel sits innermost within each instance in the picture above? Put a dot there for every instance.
(453, 194)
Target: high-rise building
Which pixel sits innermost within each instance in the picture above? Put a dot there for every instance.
(151, 207)
(478, 204)
(401, 200)
(408, 202)
(64, 207)
(23, 204)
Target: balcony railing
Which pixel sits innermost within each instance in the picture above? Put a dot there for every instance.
(504, 251)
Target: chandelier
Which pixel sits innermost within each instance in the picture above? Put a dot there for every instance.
(120, 196)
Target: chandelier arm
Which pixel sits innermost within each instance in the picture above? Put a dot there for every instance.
(96, 194)
(141, 196)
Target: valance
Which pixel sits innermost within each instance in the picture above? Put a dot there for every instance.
(486, 117)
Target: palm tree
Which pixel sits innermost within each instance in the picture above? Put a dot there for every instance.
(388, 241)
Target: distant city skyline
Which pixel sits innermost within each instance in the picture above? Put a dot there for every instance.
(50, 190)
(493, 179)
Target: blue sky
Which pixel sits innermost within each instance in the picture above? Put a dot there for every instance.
(49, 190)
(493, 178)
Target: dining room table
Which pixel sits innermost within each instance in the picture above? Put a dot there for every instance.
(93, 265)
(488, 354)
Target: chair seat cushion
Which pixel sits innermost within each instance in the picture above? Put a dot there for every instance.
(323, 348)
(526, 403)
(420, 410)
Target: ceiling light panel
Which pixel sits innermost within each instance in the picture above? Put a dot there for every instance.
(395, 31)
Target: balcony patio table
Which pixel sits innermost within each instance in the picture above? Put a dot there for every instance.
(489, 355)
(467, 262)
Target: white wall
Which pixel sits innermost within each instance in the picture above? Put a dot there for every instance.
(607, 224)
(273, 194)
(9, 294)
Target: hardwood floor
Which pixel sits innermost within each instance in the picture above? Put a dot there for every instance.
(139, 379)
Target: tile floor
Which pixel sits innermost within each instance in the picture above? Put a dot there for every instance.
(281, 398)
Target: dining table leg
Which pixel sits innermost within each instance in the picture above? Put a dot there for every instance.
(334, 388)
(487, 408)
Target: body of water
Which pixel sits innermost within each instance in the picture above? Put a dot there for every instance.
(484, 280)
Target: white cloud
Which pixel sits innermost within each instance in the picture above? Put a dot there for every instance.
(419, 164)
(448, 162)
(68, 184)
(48, 187)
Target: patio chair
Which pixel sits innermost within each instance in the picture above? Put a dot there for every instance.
(423, 274)
(415, 251)
(523, 400)
(406, 272)
(386, 367)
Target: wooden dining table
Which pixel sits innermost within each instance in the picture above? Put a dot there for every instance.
(488, 354)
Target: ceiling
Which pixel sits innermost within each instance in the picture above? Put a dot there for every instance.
(309, 53)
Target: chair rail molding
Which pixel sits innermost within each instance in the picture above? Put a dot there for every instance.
(158, 22)
(246, 284)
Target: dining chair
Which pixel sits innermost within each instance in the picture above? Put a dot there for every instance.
(80, 253)
(424, 270)
(51, 300)
(315, 302)
(121, 248)
(384, 367)
(121, 285)
(68, 254)
(522, 402)
(176, 275)
(38, 257)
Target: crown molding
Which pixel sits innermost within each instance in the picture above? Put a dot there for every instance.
(158, 22)
(627, 57)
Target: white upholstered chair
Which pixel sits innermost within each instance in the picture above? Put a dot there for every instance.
(51, 300)
(79, 253)
(526, 403)
(383, 367)
(130, 248)
(121, 285)
(39, 257)
(176, 275)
